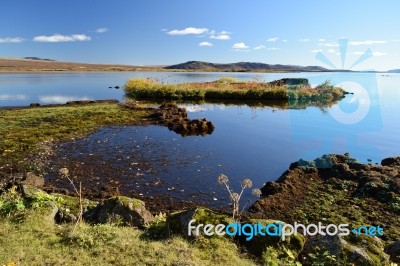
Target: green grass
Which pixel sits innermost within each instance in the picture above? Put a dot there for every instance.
(34, 240)
(23, 131)
(229, 89)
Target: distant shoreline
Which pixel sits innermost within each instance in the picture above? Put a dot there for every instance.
(16, 65)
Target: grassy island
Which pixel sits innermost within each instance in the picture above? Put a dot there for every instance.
(228, 88)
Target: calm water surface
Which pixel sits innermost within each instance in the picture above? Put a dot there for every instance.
(255, 142)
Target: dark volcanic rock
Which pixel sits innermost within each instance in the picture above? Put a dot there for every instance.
(392, 161)
(290, 82)
(394, 251)
(175, 119)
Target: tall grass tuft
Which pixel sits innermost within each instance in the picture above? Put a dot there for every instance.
(228, 88)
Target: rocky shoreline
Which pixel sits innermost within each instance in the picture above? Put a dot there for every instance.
(331, 189)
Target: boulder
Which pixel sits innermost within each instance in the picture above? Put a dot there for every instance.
(394, 251)
(359, 250)
(391, 161)
(178, 221)
(30, 192)
(33, 180)
(273, 248)
(120, 210)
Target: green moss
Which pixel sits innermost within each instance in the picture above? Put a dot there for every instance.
(129, 202)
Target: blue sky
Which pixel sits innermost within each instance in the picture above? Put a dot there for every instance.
(169, 32)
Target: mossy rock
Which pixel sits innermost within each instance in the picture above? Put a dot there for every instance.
(121, 211)
(178, 221)
(273, 247)
(69, 208)
(365, 250)
(356, 250)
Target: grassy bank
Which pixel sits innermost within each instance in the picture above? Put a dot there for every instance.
(24, 130)
(230, 89)
(28, 238)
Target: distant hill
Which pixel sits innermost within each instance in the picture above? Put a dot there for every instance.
(244, 67)
(394, 71)
(40, 64)
(37, 58)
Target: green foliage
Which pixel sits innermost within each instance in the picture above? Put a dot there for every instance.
(42, 197)
(395, 204)
(271, 257)
(322, 258)
(11, 202)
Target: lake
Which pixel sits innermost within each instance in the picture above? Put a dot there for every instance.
(255, 142)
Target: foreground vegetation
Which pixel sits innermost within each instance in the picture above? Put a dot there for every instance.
(228, 88)
(30, 236)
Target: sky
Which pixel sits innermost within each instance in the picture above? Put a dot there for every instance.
(167, 32)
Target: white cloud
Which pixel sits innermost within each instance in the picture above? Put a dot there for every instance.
(240, 45)
(327, 44)
(225, 32)
(395, 40)
(8, 97)
(316, 51)
(205, 44)
(220, 37)
(102, 30)
(187, 31)
(332, 51)
(259, 47)
(304, 40)
(273, 48)
(321, 40)
(284, 40)
(273, 39)
(62, 38)
(366, 43)
(11, 40)
(61, 99)
(374, 53)
(378, 53)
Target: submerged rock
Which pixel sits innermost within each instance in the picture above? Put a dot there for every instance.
(175, 119)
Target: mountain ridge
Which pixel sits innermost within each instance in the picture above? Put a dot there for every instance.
(244, 67)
